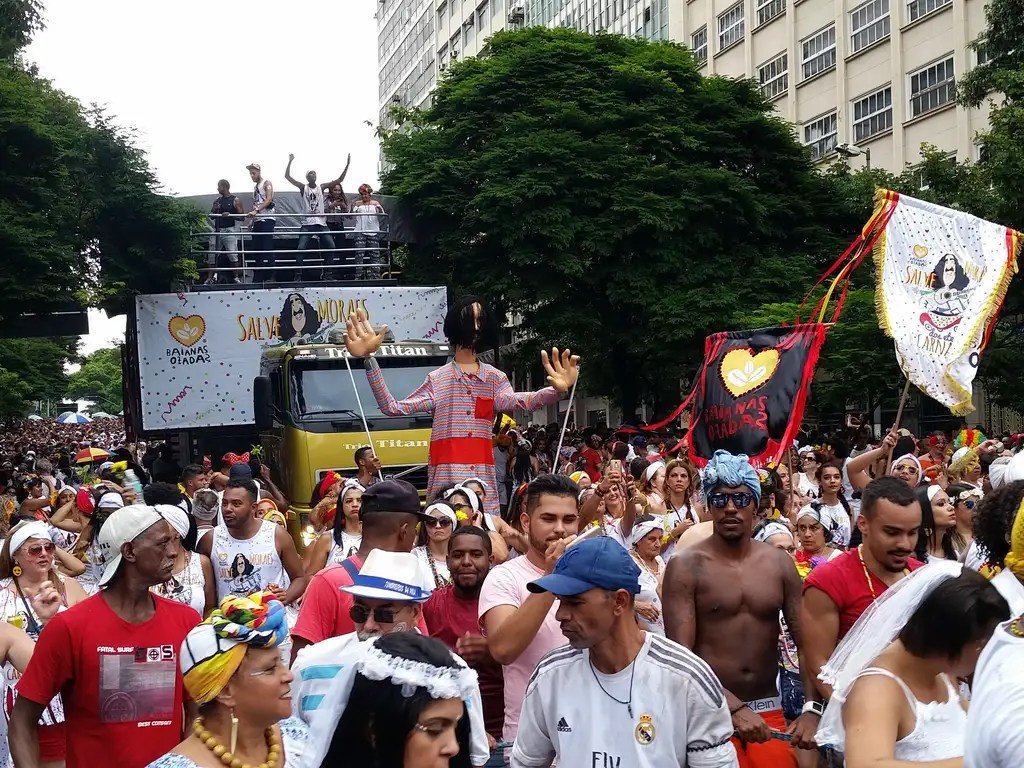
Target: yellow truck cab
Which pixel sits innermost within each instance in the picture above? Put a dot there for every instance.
(307, 409)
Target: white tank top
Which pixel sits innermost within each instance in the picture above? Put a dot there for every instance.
(313, 198)
(244, 566)
(259, 195)
(187, 586)
(940, 727)
(16, 612)
(349, 546)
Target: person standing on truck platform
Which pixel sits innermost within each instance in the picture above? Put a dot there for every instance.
(463, 395)
(262, 225)
(224, 239)
(368, 465)
(315, 220)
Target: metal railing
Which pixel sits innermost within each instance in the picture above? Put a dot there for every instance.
(346, 247)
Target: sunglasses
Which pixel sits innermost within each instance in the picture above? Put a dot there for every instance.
(382, 615)
(37, 549)
(969, 503)
(439, 522)
(739, 500)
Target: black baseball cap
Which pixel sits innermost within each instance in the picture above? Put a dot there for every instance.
(391, 496)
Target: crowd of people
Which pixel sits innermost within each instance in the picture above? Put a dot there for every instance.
(349, 234)
(608, 603)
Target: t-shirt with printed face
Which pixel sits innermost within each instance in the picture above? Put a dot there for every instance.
(120, 682)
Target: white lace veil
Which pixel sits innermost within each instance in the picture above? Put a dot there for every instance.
(879, 626)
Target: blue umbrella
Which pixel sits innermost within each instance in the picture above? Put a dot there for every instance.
(73, 418)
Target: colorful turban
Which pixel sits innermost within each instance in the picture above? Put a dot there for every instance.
(325, 485)
(213, 650)
(730, 471)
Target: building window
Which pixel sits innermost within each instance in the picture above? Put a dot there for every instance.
(481, 15)
(932, 87)
(699, 44)
(769, 9)
(454, 45)
(442, 12)
(981, 54)
(442, 57)
(918, 9)
(730, 27)
(451, 8)
(821, 134)
(869, 23)
(872, 115)
(818, 51)
(773, 76)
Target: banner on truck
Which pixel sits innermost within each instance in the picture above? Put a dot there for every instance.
(199, 352)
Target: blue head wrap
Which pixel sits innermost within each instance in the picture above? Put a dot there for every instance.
(730, 471)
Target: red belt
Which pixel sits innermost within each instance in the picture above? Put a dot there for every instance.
(462, 450)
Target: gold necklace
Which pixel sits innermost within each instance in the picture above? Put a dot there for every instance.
(221, 752)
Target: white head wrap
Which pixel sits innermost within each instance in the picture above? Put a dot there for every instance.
(442, 509)
(474, 500)
(907, 457)
(877, 627)
(174, 515)
(33, 530)
(1014, 470)
(825, 518)
(652, 470)
(642, 530)
(772, 528)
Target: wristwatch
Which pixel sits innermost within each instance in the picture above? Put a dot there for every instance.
(813, 706)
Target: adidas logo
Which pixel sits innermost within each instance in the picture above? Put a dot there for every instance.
(563, 727)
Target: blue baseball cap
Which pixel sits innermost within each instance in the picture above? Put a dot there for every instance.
(598, 563)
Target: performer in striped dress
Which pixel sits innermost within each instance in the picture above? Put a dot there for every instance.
(463, 395)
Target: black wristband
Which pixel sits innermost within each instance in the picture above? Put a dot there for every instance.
(732, 712)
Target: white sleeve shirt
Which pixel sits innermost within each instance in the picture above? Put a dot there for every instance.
(995, 738)
(676, 713)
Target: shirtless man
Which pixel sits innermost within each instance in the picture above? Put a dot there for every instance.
(722, 599)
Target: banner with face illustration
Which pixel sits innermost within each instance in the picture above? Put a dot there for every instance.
(750, 393)
(941, 278)
(199, 352)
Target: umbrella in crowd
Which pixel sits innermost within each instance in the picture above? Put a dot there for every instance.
(35, 417)
(69, 417)
(102, 415)
(89, 455)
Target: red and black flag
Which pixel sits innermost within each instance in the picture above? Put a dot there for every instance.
(750, 393)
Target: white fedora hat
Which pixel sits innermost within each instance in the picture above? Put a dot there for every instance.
(393, 576)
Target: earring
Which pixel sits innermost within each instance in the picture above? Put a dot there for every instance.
(234, 731)
(16, 571)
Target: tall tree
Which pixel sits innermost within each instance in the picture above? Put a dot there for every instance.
(99, 379)
(80, 214)
(602, 189)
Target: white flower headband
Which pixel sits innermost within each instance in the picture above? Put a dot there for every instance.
(440, 682)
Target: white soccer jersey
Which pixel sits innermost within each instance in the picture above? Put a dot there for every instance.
(676, 715)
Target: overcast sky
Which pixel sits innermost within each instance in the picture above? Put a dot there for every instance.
(211, 87)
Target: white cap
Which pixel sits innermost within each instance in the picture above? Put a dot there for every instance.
(397, 576)
(110, 500)
(123, 526)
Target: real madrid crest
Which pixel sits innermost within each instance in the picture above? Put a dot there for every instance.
(644, 731)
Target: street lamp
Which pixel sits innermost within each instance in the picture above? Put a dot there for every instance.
(852, 150)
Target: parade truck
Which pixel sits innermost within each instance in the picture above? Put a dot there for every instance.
(264, 371)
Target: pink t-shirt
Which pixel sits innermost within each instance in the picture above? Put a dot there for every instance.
(506, 585)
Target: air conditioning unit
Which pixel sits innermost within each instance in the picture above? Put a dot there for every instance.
(517, 14)
(443, 66)
(455, 54)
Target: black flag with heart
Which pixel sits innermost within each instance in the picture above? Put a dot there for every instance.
(751, 391)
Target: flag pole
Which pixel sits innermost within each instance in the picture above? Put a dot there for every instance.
(899, 416)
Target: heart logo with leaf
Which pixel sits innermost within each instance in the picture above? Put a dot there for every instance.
(742, 371)
(186, 330)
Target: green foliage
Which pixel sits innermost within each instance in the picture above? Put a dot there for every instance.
(80, 218)
(14, 395)
(99, 379)
(619, 202)
(40, 364)
(19, 20)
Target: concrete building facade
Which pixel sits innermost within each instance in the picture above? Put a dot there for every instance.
(879, 75)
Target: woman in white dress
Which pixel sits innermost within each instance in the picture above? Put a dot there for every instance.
(894, 695)
(645, 549)
(233, 670)
(192, 581)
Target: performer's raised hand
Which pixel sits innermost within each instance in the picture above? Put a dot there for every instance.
(562, 369)
(362, 340)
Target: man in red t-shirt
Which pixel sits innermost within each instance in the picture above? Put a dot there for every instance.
(451, 614)
(390, 512)
(114, 656)
(838, 592)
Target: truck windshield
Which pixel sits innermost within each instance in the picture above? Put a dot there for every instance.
(326, 390)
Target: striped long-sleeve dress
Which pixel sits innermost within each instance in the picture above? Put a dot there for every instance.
(464, 405)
